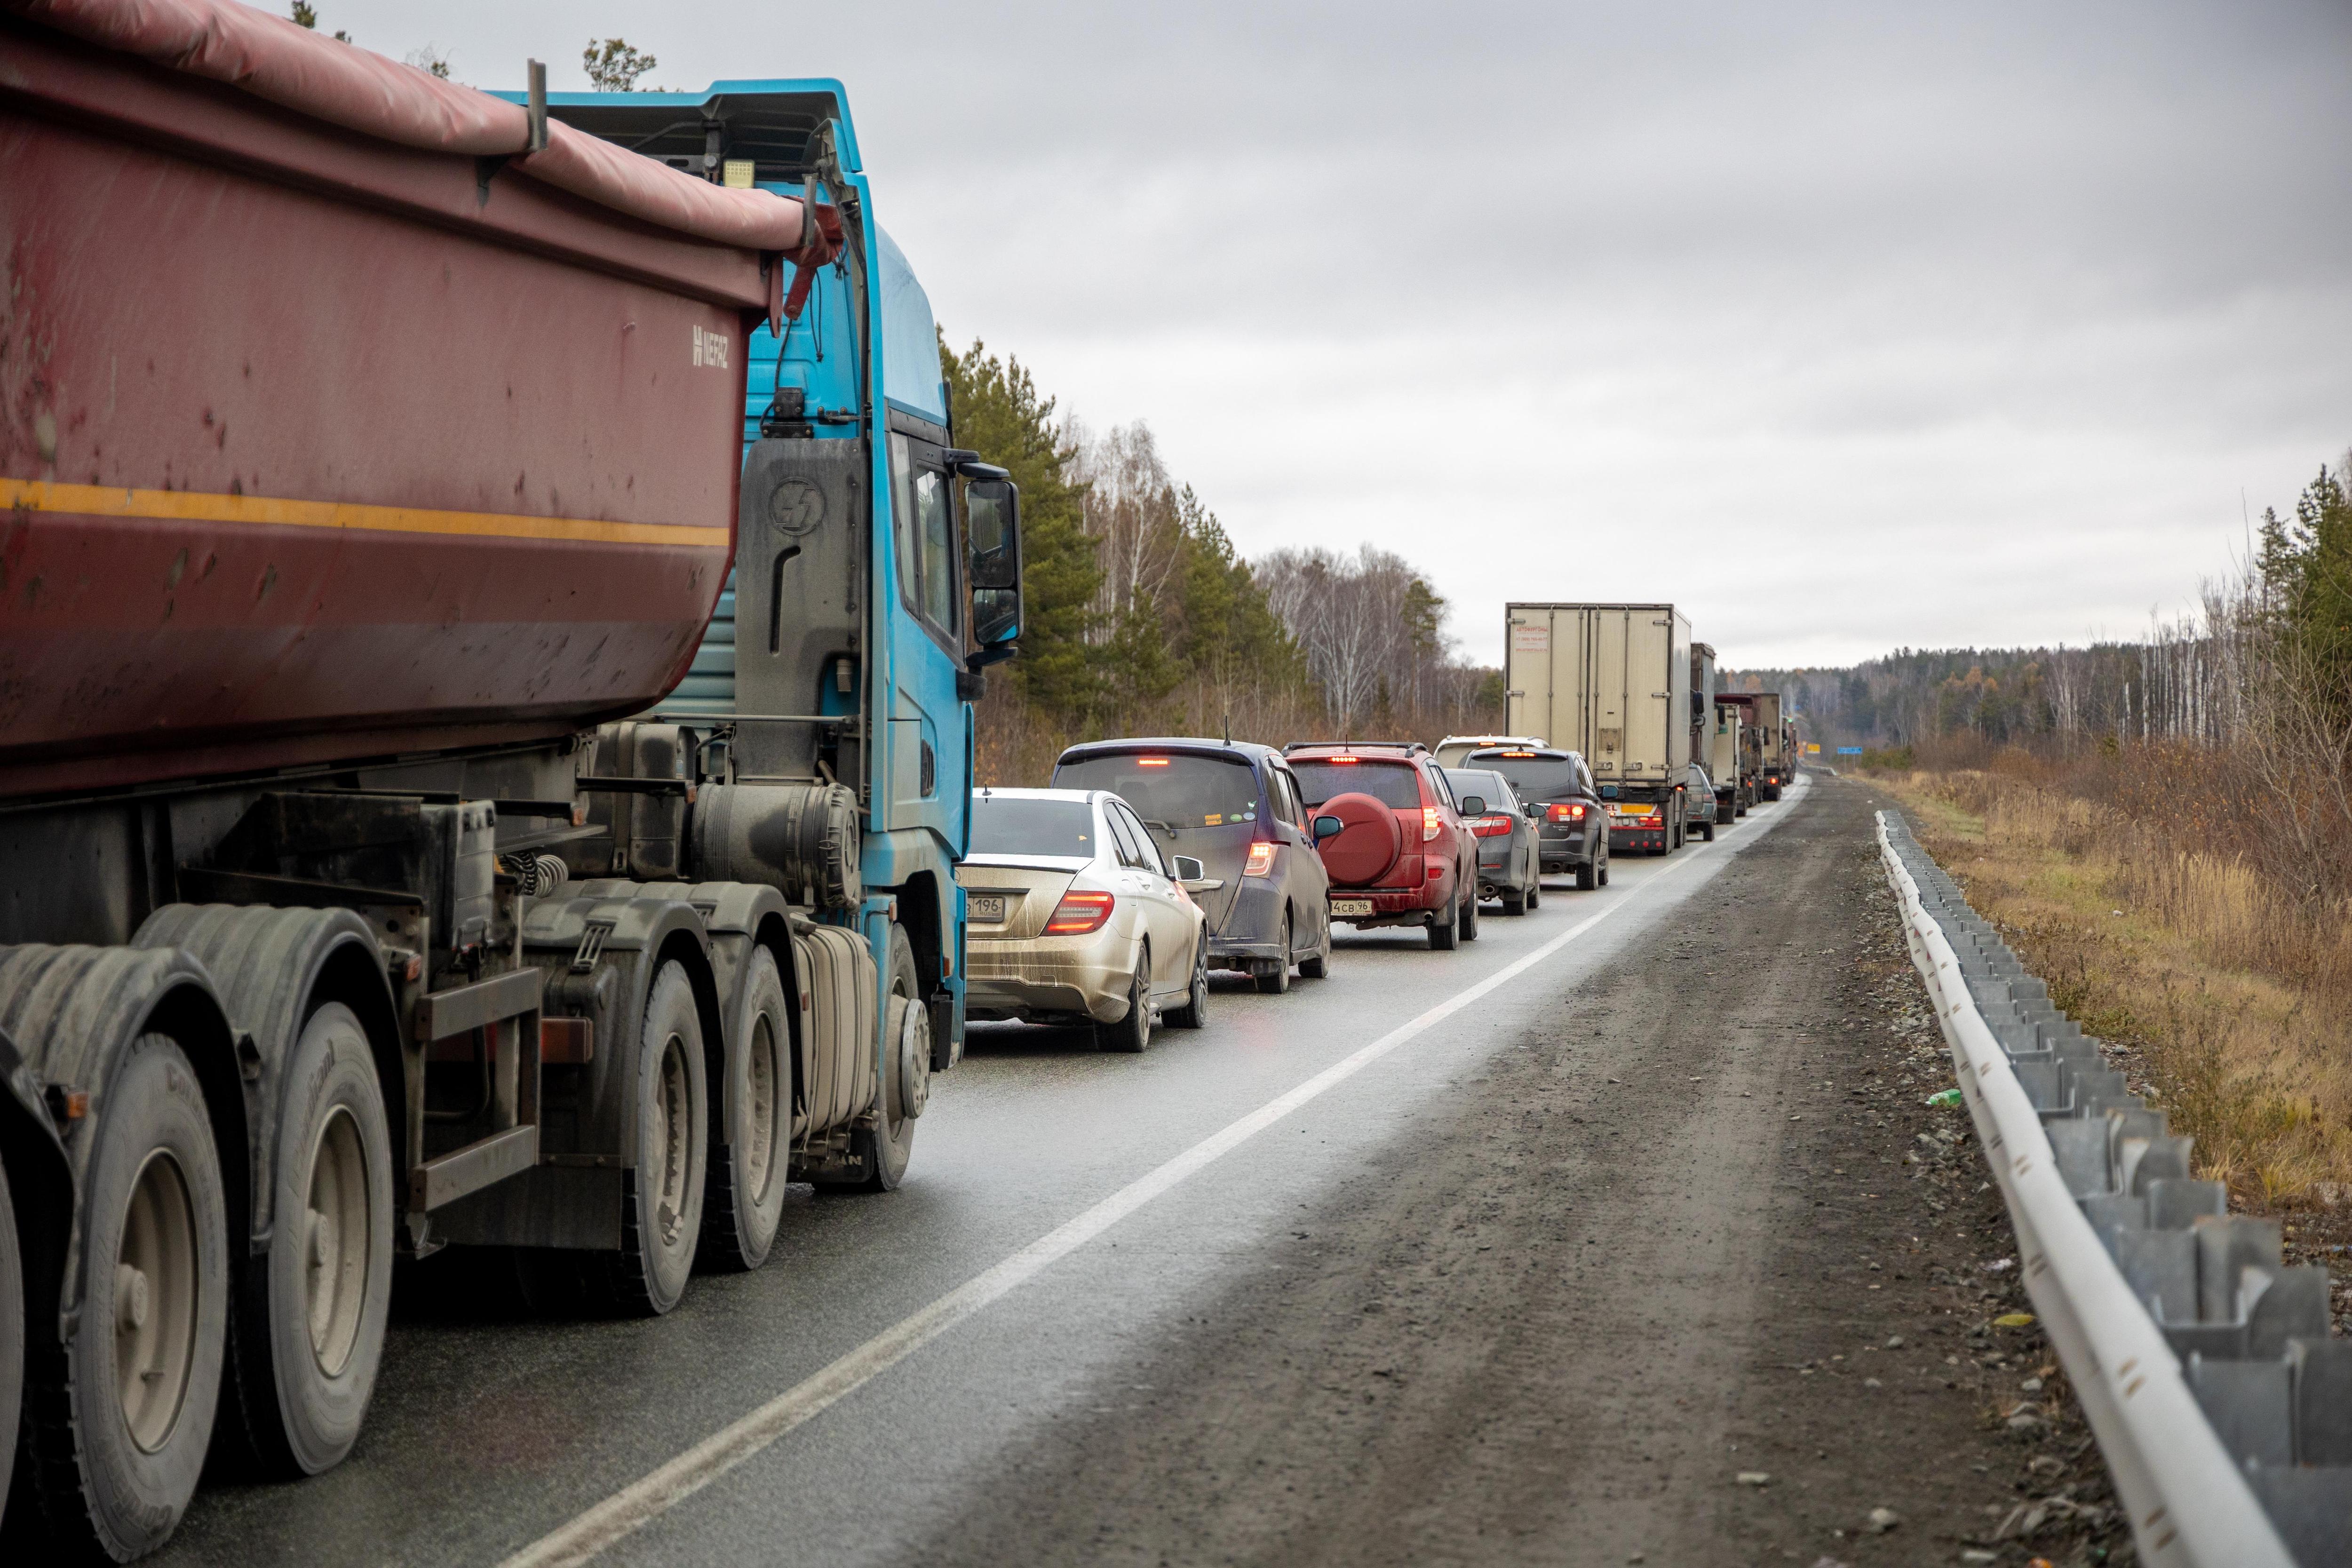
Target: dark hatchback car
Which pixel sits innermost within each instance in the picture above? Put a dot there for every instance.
(1705, 809)
(1511, 854)
(1234, 806)
(1574, 824)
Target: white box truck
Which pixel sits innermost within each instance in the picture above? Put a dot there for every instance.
(1611, 682)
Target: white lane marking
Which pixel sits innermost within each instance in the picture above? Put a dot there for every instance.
(640, 1503)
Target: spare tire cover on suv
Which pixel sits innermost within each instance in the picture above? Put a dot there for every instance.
(1368, 842)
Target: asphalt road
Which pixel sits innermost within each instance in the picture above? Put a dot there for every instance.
(1484, 1293)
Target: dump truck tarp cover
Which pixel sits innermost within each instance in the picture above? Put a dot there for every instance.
(290, 66)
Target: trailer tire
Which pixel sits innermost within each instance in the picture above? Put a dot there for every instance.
(115, 1474)
(744, 1201)
(311, 1312)
(661, 1197)
(11, 1335)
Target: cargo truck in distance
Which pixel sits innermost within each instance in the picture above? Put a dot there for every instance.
(1726, 762)
(1767, 756)
(1611, 683)
(358, 894)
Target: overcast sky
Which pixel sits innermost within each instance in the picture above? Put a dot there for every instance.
(1844, 327)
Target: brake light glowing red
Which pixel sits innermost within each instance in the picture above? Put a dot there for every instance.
(1080, 914)
(1429, 824)
(1261, 860)
(1150, 762)
(1568, 810)
(1343, 759)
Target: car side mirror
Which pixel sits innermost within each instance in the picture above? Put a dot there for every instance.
(1534, 812)
(1328, 827)
(993, 527)
(1188, 869)
(1473, 805)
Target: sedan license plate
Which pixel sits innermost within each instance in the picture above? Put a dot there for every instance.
(1343, 908)
(985, 907)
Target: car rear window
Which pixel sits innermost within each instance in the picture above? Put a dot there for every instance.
(1022, 825)
(1171, 791)
(1487, 785)
(1535, 778)
(1391, 784)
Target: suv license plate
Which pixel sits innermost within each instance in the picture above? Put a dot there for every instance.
(1342, 907)
(989, 907)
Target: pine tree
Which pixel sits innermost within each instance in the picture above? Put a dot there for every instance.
(999, 414)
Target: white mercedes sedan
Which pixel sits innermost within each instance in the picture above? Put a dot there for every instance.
(1075, 917)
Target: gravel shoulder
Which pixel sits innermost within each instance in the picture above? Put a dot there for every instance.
(1684, 1232)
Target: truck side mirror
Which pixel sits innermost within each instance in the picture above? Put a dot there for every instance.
(992, 513)
(1328, 827)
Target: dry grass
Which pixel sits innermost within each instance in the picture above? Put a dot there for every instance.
(2234, 994)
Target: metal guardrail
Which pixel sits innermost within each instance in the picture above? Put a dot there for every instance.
(2221, 1405)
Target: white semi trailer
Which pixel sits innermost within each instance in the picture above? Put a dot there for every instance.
(1614, 683)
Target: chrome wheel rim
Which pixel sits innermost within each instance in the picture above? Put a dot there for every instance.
(156, 1302)
(335, 1251)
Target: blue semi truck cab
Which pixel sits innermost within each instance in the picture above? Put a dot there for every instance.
(827, 721)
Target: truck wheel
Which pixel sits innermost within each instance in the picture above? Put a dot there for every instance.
(12, 1335)
(1132, 1033)
(311, 1312)
(885, 1148)
(1446, 928)
(746, 1196)
(120, 1439)
(1469, 916)
(661, 1206)
(1275, 981)
(1194, 1013)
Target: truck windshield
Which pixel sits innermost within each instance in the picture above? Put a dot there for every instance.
(1391, 784)
(1174, 793)
(1022, 825)
(1533, 778)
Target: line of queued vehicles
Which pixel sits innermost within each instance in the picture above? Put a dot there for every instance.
(1106, 899)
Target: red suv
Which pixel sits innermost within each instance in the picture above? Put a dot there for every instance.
(1391, 835)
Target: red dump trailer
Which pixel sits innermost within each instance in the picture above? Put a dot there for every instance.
(370, 451)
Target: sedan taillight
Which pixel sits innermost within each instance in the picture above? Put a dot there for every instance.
(1568, 810)
(1490, 827)
(1429, 823)
(1261, 860)
(1080, 914)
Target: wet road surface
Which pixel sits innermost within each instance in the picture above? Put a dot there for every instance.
(1455, 1342)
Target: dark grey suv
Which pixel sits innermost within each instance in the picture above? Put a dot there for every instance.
(1232, 806)
(1574, 825)
(1510, 865)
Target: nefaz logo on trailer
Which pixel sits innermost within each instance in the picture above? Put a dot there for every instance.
(710, 349)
